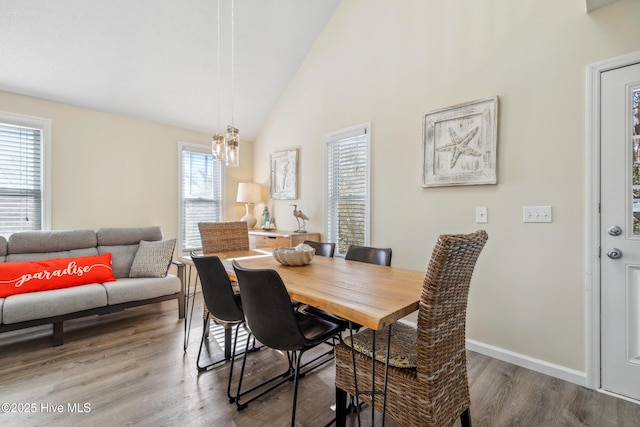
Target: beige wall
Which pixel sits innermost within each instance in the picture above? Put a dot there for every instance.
(390, 62)
(109, 170)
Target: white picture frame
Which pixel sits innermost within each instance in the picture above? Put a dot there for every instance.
(284, 175)
(459, 144)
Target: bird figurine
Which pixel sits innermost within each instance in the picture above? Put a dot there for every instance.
(299, 215)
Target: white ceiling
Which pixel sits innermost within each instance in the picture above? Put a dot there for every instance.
(156, 59)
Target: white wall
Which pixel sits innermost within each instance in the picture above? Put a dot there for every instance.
(390, 62)
(110, 170)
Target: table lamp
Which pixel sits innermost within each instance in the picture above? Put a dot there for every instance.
(249, 193)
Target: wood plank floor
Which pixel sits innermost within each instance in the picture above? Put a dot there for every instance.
(129, 369)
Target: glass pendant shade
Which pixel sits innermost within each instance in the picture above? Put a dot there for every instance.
(218, 147)
(232, 157)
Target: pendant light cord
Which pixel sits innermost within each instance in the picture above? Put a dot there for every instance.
(232, 55)
(219, 84)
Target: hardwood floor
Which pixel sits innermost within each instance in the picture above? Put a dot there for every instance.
(129, 369)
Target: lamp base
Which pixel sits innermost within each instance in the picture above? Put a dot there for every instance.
(248, 218)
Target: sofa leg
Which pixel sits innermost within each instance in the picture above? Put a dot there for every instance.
(181, 306)
(57, 334)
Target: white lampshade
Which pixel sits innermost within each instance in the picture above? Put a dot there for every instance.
(249, 192)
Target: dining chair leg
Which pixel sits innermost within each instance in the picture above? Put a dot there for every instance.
(232, 399)
(465, 418)
(205, 334)
(284, 377)
(203, 368)
(298, 357)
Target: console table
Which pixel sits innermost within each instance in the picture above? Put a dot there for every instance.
(266, 239)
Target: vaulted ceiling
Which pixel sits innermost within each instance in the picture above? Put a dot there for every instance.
(157, 59)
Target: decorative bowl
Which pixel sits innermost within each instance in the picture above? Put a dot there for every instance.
(300, 255)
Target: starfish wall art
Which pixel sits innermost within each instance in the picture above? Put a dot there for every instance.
(460, 144)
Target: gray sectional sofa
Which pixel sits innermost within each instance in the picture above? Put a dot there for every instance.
(57, 305)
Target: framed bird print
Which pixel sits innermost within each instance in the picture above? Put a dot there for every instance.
(459, 144)
(284, 172)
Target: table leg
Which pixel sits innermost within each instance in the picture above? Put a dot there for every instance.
(341, 407)
(227, 343)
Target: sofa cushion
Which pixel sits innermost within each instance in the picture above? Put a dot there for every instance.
(29, 242)
(3, 248)
(123, 242)
(48, 255)
(114, 236)
(32, 276)
(38, 305)
(137, 289)
(153, 258)
(122, 258)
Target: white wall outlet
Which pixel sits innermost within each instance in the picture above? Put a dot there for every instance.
(481, 216)
(536, 214)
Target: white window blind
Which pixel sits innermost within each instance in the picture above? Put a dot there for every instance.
(200, 193)
(22, 199)
(348, 187)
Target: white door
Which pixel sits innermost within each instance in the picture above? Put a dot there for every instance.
(620, 231)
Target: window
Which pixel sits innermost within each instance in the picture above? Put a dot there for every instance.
(200, 193)
(24, 173)
(347, 201)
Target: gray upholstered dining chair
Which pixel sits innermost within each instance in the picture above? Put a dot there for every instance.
(427, 378)
(274, 322)
(224, 305)
(218, 237)
(369, 254)
(322, 248)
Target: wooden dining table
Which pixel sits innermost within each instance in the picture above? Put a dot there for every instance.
(371, 295)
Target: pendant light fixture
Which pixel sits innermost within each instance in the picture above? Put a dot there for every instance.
(233, 137)
(227, 148)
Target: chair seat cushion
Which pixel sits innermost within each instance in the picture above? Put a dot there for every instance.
(403, 352)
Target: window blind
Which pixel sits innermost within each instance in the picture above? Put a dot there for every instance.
(20, 178)
(201, 193)
(348, 188)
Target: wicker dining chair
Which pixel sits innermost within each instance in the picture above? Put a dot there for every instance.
(427, 379)
(222, 237)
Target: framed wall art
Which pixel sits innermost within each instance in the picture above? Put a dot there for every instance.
(460, 144)
(284, 173)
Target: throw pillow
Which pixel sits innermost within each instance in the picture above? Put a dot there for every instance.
(153, 258)
(54, 273)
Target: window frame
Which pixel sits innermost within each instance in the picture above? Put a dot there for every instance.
(335, 136)
(201, 149)
(44, 125)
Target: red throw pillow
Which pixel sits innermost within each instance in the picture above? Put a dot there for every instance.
(55, 273)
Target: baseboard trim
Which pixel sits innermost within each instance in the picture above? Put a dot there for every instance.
(556, 371)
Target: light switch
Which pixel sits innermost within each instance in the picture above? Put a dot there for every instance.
(536, 214)
(481, 215)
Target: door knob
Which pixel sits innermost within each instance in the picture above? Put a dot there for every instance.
(614, 230)
(614, 253)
